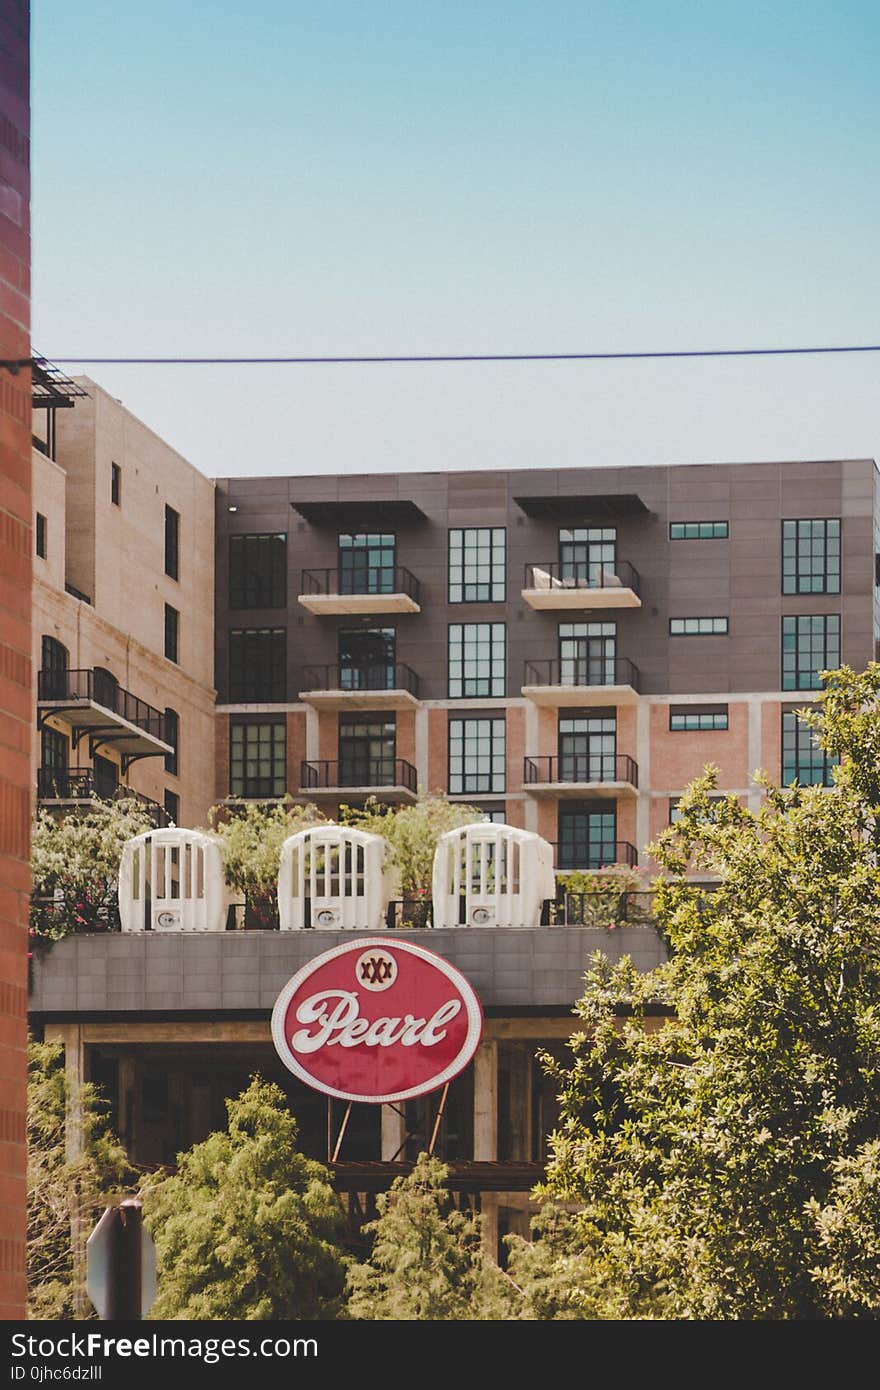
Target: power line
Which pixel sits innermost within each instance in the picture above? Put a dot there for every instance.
(415, 358)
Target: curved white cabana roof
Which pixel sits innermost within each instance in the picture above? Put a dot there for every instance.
(488, 875)
(172, 880)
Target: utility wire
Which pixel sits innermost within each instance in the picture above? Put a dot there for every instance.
(403, 358)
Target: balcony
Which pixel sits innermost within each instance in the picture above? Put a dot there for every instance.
(375, 686)
(94, 706)
(582, 682)
(582, 586)
(569, 857)
(83, 788)
(387, 779)
(581, 775)
(389, 590)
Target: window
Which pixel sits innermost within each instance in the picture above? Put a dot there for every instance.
(257, 758)
(587, 653)
(105, 688)
(106, 776)
(258, 571)
(698, 530)
(40, 531)
(811, 557)
(257, 663)
(116, 484)
(689, 718)
(172, 736)
(810, 644)
(367, 750)
(172, 807)
(54, 757)
(476, 660)
(476, 756)
(477, 564)
(803, 760)
(698, 627)
(585, 551)
(172, 543)
(587, 836)
(674, 813)
(172, 632)
(367, 658)
(366, 563)
(495, 815)
(53, 669)
(587, 747)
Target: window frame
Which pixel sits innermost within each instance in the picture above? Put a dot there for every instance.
(244, 668)
(494, 583)
(797, 619)
(172, 735)
(41, 531)
(172, 634)
(172, 543)
(705, 712)
(827, 761)
(493, 772)
(794, 577)
(115, 484)
(699, 631)
(716, 534)
(244, 580)
(277, 752)
(497, 681)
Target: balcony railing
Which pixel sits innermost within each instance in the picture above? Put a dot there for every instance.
(373, 676)
(573, 574)
(358, 772)
(583, 672)
(94, 687)
(84, 784)
(569, 856)
(386, 579)
(581, 767)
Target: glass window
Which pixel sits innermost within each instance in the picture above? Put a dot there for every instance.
(477, 564)
(258, 571)
(810, 644)
(367, 750)
(257, 663)
(674, 813)
(257, 755)
(585, 551)
(476, 756)
(54, 757)
(41, 535)
(172, 632)
(688, 718)
(367, 563)
(698, 627)
(587, 837)
(587, 653)
(172, 543)
(367, 658)
(116, 485)
(587, 747)
(172, 807)
(698, 530)
(172, 736)
(811, 557)
(802, 759)
(53, 670)
(476, 660)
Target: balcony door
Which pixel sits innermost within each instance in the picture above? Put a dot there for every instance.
(584, 551)
(54, 757)
(367, 658)
(366, 564)
(367, 750)
(587, 747)
(587, 653)
(106, 688)
(53, 675)
(587, 835)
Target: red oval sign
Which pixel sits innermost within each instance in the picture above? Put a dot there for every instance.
(377, 1020)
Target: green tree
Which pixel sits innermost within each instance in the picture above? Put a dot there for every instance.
(247, 1227)
(413, 833)
(250, 838)
(426, 1262)
(725, 1165)
(65, 1194)
(75, 867)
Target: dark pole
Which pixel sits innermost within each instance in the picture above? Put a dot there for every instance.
(124, 1281)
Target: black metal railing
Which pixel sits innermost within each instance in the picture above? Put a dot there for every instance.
(586, 574)
(358, 772)
(84, 784)
(384, 579)
(409, 914)
(77, 593)
(581, 767)
(570, 855)
(583, 671)
(96, 687)
(374, 675)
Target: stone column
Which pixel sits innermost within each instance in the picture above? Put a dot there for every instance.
(486, 1134)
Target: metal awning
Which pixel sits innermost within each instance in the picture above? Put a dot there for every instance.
(582, 506)
(359, 514)
(50, 388)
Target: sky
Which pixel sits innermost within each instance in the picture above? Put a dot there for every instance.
(369, 177)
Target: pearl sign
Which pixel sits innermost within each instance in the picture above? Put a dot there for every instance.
(377, 1020)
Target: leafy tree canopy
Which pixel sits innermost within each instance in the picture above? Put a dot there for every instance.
(250, 840)
(413, 833)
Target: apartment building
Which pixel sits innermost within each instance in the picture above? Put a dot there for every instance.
(122, 612)
(564, 649)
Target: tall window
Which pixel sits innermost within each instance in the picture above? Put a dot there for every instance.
(40, 535)
(810, 644)
(258, 571)
(53, 669)
(367, 750)
(366, 563)
(585, 551)
(477, 564)
(116, 485)
(172, 543)
(257, 757)
(476, 660)
(172, 736)
(587, 653)
(476, 756)
(257, 663)
(105, 688)
(802, 759)
(587, 747)
(172, 632)
(54, 757)
(106, 776)
(811, 557)
(587, 836)
(366, 658)
(172, 806)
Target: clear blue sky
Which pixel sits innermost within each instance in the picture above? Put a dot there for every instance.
(472, 176)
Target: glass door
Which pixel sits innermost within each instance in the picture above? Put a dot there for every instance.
(587, 653)
(584, 552)
(367, 658)
(587, 747)
(367, 746)
(366, 564)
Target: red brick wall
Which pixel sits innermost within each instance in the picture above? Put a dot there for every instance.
(15, 640)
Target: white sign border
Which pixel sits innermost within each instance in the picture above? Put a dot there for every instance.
(360, 943)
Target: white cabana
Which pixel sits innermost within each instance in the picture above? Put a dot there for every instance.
(488, 875)
(172, 880)
(333, 877)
